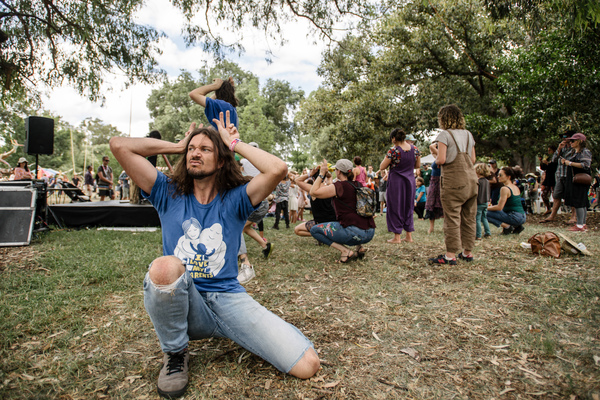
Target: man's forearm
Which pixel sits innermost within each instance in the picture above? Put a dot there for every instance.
(144, 147)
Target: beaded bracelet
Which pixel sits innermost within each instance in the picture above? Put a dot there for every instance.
(233, 143)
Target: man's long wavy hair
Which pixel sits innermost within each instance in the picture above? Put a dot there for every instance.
(228, 175)
(227, 93)
(450, 117)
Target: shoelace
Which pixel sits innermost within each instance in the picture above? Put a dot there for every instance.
(176, 362)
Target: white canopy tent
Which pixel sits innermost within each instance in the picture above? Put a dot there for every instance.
(428, 159)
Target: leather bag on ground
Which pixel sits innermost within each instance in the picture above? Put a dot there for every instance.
(545, 244)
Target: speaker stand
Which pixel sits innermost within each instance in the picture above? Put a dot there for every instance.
(55, 218)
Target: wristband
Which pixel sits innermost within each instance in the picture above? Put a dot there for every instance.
(233, 143)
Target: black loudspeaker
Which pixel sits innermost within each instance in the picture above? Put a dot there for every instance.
(17, 213)
(40, 135)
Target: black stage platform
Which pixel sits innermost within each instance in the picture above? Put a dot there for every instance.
(104, 213)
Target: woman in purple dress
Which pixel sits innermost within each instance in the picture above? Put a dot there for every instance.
(402, 159)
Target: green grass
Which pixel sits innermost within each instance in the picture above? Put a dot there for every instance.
(508, 325)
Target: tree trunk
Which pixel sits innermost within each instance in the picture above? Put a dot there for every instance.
(527, 163)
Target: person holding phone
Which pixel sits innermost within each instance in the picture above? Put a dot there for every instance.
(563, 151)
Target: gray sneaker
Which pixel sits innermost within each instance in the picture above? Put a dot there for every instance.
(173, 377)
(246, 273)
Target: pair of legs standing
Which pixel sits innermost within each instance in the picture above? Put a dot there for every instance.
(282, 206)
(481, 219)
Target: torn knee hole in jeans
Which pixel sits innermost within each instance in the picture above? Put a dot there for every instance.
(170, 288)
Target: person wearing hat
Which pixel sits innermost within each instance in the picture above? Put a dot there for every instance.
(21, 170)
(105, 180)
(350, 229)
(410, 139)
(579, 161)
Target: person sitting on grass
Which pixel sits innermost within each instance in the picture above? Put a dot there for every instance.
(202, 297)
(508, 213)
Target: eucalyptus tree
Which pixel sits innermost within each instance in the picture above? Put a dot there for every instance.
(417, 58)
(422, 55)
(44, 44)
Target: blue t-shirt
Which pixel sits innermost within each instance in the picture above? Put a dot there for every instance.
(214, 107)
(421, 189)
(206, 237)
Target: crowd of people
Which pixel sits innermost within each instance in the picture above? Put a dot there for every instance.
(212, 199)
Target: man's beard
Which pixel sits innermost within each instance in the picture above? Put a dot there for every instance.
(197, 175)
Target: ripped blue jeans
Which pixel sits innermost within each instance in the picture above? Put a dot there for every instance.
(334, 232)
(180, 313)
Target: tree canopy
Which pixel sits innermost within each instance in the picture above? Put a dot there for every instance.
(518, 89)
(52, 42)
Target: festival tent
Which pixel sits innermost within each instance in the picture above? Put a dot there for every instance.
(46, 172)
(428, 159)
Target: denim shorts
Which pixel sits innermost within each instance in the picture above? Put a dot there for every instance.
(180, 313)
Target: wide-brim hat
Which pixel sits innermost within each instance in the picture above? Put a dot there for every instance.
(22, 160)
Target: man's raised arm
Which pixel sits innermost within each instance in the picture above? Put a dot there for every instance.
(131, 153)
(272, 169)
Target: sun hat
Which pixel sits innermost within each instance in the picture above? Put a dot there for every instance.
(22, 160)
(578, 136)
(410, 137)
(344, 165)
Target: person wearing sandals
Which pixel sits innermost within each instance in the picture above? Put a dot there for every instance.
(576, 194)
(350, 229)
(508, 213)
(458, 185)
